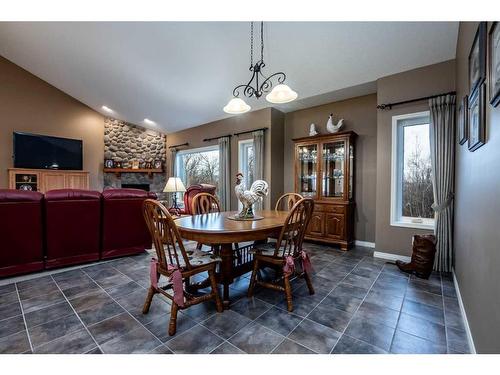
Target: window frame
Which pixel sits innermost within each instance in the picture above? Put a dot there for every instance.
(396, 219)
(179, 154)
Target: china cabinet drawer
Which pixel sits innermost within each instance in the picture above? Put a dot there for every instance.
(337, 209)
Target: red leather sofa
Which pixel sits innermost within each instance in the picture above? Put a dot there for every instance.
(21, 232)
(190, 193)
(73, 226)
(124, 229)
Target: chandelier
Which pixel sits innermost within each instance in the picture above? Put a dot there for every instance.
(259, 84)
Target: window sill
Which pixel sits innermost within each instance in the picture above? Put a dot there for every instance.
(406, 224)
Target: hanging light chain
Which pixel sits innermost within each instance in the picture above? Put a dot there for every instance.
(251, 45)
(262, 41)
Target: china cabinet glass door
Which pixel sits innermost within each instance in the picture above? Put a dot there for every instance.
(307, 170)
(333, 169)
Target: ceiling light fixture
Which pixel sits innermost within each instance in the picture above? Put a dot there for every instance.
(279, 94)
(107, 109)
(149, 122)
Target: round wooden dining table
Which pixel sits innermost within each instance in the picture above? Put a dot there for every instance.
(217, 229)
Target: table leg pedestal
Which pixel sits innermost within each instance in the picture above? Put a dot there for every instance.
(226, 255)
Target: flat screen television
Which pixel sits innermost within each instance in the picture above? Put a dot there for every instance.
(45, 152)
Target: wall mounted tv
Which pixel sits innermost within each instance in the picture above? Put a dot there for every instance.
(45, 152)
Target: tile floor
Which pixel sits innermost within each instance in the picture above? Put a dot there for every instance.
(361, 305)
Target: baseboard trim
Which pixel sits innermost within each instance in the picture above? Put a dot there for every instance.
(365, 244)
(389, 256)
(472, 347)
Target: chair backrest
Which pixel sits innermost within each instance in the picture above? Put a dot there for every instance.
(287, 201)
(166, 237)
(204, 203)
(192, 190)
(294, 229)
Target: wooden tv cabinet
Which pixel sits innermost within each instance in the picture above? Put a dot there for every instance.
(43, 180)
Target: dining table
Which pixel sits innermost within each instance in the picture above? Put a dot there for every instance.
(220, 230)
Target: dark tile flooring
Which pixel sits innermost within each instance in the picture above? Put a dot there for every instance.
(361, 305)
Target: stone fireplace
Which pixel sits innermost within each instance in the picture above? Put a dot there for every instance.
(126, 143)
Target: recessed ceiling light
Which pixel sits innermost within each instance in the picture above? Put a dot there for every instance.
(149, 122)
(107, 109)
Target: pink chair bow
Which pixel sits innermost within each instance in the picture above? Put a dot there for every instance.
(175, 279)
(289, 266)
(306, 262)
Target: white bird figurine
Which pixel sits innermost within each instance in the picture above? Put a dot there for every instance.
(334, 128)
(258, 190)
(312, 130)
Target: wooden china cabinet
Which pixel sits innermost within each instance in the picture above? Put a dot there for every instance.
(324, 171)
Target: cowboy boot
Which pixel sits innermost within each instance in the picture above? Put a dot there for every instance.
(422, 257)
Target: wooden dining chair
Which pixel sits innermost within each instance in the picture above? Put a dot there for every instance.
(175, 263)
(204, 203)
(285, 254)
(287, 201)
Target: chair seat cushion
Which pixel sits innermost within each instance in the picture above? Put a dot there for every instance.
(264, 249)
(198, 258)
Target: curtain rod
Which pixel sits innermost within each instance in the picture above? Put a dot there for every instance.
(390, 105)
(249, 131)
(214, 138)
(182, 144)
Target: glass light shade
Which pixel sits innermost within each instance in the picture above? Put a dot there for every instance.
(281, 94)
(236, 106)
(174, 185)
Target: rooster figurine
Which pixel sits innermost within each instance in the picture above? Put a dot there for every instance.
(334, 128)
(258, 190)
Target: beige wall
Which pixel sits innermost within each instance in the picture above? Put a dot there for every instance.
(28, 104)
(477, 212)
(361, 116)
(248, 121)
(429, 80)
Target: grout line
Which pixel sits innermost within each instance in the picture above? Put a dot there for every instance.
(24, 319)
(400, 312)
(128, 312)
(444, 314)
(78, 316)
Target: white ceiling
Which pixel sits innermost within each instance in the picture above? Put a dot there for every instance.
(181, 74)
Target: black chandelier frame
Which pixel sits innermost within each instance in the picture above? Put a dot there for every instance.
(258, 90)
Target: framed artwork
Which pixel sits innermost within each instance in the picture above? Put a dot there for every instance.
(477, 120)
(117, 164)
(494, 58)
(157, 164)
(135, 164)
(108, 163)
(149, 165)
(477, 59)
(463, 121)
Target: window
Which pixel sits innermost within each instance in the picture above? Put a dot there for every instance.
(246, 162)
(411, 180)
(197, 166)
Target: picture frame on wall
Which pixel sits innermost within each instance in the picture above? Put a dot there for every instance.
(463, 120)
(477, 119)
(477, 59)
(494, 64)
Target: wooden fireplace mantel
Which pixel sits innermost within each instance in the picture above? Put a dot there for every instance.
(119, 171)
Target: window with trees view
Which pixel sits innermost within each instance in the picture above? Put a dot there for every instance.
(198, 166)
(246, 162)
(411, 191)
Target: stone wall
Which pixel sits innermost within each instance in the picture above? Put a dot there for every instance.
(125, 143)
